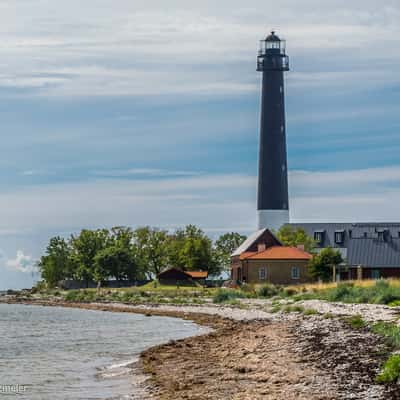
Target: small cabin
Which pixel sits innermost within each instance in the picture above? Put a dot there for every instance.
(179, 277)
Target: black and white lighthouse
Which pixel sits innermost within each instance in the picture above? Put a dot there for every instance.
(273, 199)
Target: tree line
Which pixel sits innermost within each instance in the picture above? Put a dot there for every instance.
(122, 253)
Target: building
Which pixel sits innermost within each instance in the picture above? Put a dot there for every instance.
(273, 198)
(263, 259)
(370, 250)
(176, 276)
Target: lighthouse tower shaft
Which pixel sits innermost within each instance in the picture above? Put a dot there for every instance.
(273, 199)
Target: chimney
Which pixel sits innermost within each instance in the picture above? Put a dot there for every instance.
(262, 247)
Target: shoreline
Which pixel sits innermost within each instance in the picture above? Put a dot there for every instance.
(264, 356)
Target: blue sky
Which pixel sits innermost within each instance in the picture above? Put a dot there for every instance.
(120, 112)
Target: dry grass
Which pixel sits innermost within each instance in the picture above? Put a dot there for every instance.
(317, 287)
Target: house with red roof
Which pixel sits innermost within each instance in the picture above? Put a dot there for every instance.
(262, 258)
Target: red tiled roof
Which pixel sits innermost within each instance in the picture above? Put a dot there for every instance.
(280, 253)
(197, 274)
(247, 254)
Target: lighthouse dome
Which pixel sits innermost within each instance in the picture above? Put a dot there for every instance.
(272, 37)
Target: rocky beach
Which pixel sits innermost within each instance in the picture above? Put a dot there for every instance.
(253, 353)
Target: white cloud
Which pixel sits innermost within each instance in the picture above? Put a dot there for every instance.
(133, 48)
(22, 263)
(211, 201)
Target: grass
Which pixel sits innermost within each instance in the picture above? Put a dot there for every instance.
(374, 292)
(389, 330)
(356, 322)
(310, 311)
(141, 295)
(391, 370)
(291, 308)
(228, 295)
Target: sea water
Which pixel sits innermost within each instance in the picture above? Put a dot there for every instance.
(65, 353)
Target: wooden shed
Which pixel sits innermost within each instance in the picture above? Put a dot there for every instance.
(177, 276)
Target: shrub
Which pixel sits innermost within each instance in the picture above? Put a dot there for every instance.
(268, 291)
(391, 370)
(226, 295)
(288, 292)
(249, 289)
(72, 295)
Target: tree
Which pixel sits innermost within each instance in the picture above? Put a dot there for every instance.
(321, 266)
(115, 261)
(57, 263)
(291, 236)
(225, 246)
(152, 248)
(191, 249)
(85, 248)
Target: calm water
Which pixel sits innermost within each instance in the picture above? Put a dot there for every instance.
(62, 353)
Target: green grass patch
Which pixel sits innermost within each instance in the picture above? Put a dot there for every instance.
(382, 292)
(391, 370)
(310, 311)
(227, 295)
(298, 309)
(356, 322)
(390, 331)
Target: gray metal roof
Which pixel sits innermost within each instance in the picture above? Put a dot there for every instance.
(375, 244)
(374, 253)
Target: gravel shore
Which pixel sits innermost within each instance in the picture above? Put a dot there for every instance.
(253, 353)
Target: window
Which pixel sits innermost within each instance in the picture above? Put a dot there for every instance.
(365, 234)
(262, 274)
(339, 237)
(318, 236)
(376, 274)
(295, 273)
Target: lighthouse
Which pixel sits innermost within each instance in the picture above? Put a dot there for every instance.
(273, 198)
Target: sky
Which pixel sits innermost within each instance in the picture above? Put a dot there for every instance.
(124, 112)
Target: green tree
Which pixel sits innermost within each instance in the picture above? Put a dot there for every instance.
(294, 237)
(225, 246)
(57, 263)
(115, 261)
(152, 249)
(85, 247)
(191, 249)
(321, 266)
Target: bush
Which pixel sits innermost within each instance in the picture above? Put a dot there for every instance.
(391, 370)
(249, 289)
(226, 295)
(268, 291)
(390, 330)
(72, 295)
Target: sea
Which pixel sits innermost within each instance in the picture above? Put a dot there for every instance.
(65, 353)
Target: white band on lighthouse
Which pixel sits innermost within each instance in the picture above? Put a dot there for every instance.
(272, 219)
